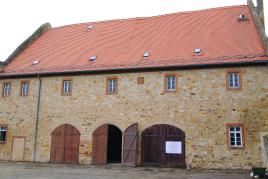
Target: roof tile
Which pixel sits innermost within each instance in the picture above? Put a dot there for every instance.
(170, 39)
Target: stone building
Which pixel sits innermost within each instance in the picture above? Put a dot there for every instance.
(183, 90)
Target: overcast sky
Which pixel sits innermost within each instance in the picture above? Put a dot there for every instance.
(20, 18)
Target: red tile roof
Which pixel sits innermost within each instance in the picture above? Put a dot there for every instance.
(170, 39)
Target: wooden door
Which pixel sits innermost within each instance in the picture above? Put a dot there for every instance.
(99, 146)
(65, 144)
(72, 142)
(57, 145)
(151, 145)
(18, 148)
(130, 145)
(174, 134)
(163, 145)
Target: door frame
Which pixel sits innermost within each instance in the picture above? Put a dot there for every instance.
(264, 150)
(12, 143)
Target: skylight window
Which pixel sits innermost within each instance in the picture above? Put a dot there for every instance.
(90, 27)
(242, 17)
(197, 51)
(35, 62)
(146, 54)
(93, 58)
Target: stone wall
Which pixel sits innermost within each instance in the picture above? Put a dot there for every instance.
(201, 107)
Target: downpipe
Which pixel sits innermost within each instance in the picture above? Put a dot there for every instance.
(37, 116)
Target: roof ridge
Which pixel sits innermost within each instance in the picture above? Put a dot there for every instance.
(151, 17)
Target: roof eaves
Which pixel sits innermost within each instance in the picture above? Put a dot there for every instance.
(140, 69)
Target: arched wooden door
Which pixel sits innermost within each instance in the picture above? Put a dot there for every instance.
(65, 144)
(99, 145)
(163, 145)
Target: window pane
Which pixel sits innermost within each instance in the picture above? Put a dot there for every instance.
(24, 88)
(231, 128)
(3, 136)
(3, 128)
(237, 128)
(232, 143)
(238, 143)
(171, 82)
(6, 89)
(67, 86)
(111, 85)
(233, 80)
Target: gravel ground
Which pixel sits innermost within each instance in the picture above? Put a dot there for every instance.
(10, 170)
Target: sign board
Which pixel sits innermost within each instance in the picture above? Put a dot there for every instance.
(173, 147)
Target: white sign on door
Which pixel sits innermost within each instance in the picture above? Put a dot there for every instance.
(173, 147)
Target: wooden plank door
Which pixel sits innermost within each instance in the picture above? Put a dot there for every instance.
(57, 145)
(163, 145)
(174, 134)
(130, 145)
(65, 144)
(99, 146)
(151, 146)
(18, 148)
(72, 142)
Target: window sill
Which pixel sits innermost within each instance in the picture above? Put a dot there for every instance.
(66, 94)
(111, 94)
(3, 142)
(234, 89)
(175, 91)
(236, 148)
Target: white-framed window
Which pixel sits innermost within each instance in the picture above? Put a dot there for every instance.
(67, 87)
(7, 89)
(235, 136)
(112, 85)
(3, 134)
(234, 80)
(24, 88)
(171, 82)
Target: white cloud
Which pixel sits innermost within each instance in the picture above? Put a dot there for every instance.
(19, 19)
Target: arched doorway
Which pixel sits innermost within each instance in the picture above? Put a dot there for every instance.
(65, 144)
(107, 145)
(163, 145)
(114, 147)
